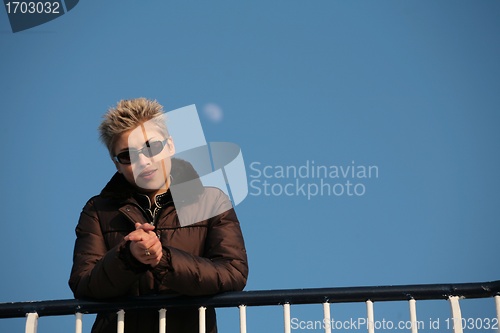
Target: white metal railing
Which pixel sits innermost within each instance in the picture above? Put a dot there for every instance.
(326, 323)
(285, 298)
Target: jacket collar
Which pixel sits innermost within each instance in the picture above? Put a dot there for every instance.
(161, 200)
(119, 188)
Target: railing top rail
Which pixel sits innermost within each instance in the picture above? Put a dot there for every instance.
(257, 298)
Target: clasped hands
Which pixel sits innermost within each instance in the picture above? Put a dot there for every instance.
(145, 245)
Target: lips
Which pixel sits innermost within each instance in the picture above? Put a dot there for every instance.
(147, 174)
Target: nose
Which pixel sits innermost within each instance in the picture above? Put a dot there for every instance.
(143, 159)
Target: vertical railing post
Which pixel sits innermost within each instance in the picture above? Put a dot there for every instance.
(456, 314)
(370, 316)
(497, 305)
(31, 322)
(243, 318)
(120, 327)
(413, 315)
(78, 322)
(202, 327)
(163, 320)
(326, 317)
(286, 317)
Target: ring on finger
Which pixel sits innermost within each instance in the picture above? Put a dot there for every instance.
(147, 252)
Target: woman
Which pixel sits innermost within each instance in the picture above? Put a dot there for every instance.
(129, 239)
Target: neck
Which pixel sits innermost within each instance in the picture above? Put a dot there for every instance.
(152, 194)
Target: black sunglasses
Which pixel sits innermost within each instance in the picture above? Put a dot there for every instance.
(151, 148)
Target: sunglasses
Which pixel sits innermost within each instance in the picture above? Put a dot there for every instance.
(152, 148)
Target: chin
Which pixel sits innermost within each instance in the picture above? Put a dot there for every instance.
(151, 186)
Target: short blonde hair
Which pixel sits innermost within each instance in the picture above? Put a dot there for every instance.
(127, 115)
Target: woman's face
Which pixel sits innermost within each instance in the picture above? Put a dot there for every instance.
(150, 152)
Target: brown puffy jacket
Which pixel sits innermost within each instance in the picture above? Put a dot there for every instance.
(203, 258)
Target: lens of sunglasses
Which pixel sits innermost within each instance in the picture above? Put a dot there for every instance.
(123, 157)
(151, 149)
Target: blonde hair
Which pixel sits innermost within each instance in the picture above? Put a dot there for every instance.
(127, 115)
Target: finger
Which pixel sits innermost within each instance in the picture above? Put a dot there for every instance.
(158, 248)
(151, 246)
(137, 235)
(151, 243)
(145, 226)
(145, 256)
(155, 259)
(154, 248)
(151, 256)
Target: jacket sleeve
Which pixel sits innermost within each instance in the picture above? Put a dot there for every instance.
(98, 272)
(223, 267)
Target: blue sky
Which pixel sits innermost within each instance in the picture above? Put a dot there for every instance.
(411, 87)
